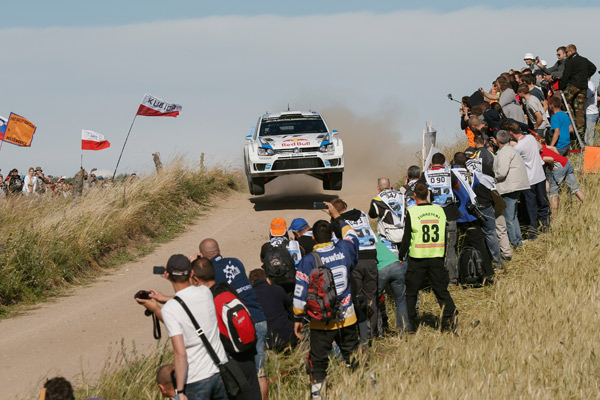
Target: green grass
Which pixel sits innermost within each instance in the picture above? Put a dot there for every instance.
(50, 244)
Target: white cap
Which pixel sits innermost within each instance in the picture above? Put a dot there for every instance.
(528, 56)
(544, 63)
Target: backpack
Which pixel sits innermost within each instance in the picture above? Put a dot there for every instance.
(236, 326)
(279, 265)
(322, 301)
(470, 266)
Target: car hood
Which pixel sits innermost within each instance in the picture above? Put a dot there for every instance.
(291, 141)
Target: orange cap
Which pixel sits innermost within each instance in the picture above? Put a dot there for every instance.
(278, 227)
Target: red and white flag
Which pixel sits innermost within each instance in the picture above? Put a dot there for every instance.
(154, 107)
(91, 140)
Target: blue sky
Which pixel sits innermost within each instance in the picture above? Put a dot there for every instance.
(69, 67)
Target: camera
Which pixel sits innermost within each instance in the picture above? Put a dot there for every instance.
(142, 295)
(319, 205)
(476, 212)
(158, 270)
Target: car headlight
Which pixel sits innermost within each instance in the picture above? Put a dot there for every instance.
(327, 148)
(265, 152)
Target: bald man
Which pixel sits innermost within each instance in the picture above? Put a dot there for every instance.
(232, 271)
(164, 379)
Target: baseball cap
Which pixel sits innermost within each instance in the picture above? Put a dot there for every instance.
(278, 227)
(179, 264)
(470, 152)
(298, 224)
(528, 56)
(544, 63)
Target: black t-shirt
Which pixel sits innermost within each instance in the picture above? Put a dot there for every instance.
(275, 304)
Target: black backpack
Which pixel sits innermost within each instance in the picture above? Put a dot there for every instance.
(322, 302)
(470, 266)
(279, 265)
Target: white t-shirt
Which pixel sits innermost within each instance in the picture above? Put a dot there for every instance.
(591, 104)
(199, 300)
(528, 149)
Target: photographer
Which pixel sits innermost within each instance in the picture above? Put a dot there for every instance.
(196, 373)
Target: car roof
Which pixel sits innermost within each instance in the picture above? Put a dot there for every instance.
(291, 114)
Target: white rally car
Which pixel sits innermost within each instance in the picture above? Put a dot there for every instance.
(293, 142)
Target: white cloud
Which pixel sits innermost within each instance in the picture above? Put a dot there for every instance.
(226, 71)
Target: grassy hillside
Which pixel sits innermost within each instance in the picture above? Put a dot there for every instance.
(49, 243)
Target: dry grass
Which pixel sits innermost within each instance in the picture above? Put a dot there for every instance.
(49, 243)
(532, 335)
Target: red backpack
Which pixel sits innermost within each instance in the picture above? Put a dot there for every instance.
(322, 302)
(236, 326)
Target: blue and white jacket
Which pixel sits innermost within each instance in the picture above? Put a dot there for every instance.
(341, 258)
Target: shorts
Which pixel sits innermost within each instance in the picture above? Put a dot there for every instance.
(557, 176)
(261, 347)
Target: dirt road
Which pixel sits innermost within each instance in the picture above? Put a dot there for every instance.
(75, 333)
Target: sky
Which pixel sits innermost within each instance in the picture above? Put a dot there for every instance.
(69, 65)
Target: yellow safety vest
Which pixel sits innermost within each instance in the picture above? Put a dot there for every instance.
(428, 231)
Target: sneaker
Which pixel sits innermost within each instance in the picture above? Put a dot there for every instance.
(315, 391)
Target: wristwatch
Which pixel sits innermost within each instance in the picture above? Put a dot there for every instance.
(179, 391)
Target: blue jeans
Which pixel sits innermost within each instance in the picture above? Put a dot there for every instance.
(261, 347)
(559, 175)
(210, 388)
(512, 222)
(393, 275)
(590, 128)
(491, 237)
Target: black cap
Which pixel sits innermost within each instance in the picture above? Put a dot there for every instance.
(179, 264)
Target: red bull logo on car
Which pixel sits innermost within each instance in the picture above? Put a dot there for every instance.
(295, 142)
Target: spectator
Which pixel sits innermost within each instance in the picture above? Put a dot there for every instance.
(574, 83)
(41, 181)
(530, 60)
(303, 234)
(278, 236)
(30, 183)
(196, 373)
(480, 162)
(203, 274)
(388, 208)
(165, 379)
(536, 199)
(412, 178)
(392, 271)
(559, 170)
(276, 305)
(424, 244)
(555, 71)
(341, 259)
(441, 184)
(535, 111)
(511, 180)
(560, 124)
(468, 222)
(535, 91)
(507, 100)
(57, 389)
(232, 271)
(591, 113)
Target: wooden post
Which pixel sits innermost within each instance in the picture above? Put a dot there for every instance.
(202, 162)
(157, 162)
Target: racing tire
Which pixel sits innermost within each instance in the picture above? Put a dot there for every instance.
(325, 184)
(257, 186)
(335, 181)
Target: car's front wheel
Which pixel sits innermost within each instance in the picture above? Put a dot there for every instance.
(257, 186)
(335, 181)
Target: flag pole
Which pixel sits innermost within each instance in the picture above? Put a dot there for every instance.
(120, 155)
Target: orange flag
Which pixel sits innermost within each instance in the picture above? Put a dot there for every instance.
(19, 131)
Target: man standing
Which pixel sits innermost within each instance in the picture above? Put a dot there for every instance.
(442, 184)
(535, 111)
(574, 83)
(340, 258)
(536, 199)
(232, 271)
(424, 241)
(388, 208)
(511, 180)
(560, 124)
(412, 178)
(555, 71)
(196, 373)
(591, 113)
(365, 271)
(303, 234)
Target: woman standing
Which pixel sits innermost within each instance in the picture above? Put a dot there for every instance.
(30, 184)
(507, 100)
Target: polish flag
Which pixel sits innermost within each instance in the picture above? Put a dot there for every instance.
(154, 107)
(91, 140)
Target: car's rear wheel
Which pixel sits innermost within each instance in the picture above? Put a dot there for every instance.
(257, 186)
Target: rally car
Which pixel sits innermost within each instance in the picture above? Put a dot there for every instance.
(293, 142)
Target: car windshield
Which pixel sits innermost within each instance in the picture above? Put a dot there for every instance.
(277, 127)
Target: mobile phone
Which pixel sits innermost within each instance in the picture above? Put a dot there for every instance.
(319, 205)
(142, 294)
(158, 270)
